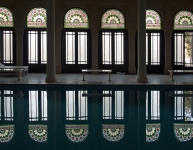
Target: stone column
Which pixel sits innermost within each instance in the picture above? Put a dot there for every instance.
(50, 41)
(141, 72)
(141, 138)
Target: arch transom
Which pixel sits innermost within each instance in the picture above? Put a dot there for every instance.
(183, 20)
(36, 18)
(113, 19)
(38, 133)
(152, 132)
(153, 20)
(6, 133)
(76, 18)
(6, 17)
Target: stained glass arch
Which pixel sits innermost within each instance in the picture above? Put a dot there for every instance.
(183, 20)
(153, 20)
(77, 133)
(183, 132)
(38, 133)
(6, 133)
(76, 18)
(6, 17)
(113, 132)
(113, 19)
(152, 132)
(36, 18)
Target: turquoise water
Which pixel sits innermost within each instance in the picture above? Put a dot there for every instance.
(59, 117)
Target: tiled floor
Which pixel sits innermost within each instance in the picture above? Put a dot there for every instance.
(99, 79)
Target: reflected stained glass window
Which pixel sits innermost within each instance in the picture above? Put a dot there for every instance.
(38, 106)
(76, 18)
(6, 17)
(6, 133)
(183, 20)
(152, 132)
(77, 133)
(38, 133)
(113, 132)
(153, 20)
(183, 132)
(113, 19)
(36, 18)
(183, 106)
(76, 105)
(153, 105)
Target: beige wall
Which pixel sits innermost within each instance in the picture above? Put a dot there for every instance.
(95, 9)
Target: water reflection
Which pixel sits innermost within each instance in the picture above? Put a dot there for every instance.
(98, 119)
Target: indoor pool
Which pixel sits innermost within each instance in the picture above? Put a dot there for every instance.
(59, 117)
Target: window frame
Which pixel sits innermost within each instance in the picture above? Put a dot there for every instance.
(75, 68)
(33, 67)
(114, 67)
(14, 45)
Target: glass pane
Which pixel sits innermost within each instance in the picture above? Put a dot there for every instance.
(32, 47)
(188, 49)
(82, 106)
(153, 20)
(7, 47)
(106, 48)
(119, 48)
(178, 48)
(178, 106)
(146, 48)
(70, 105)
(119, 105)
(44, 105)
(155, 49)
(43, 47)
(188, 107)
(70, 47)
(8, 106)
(82, 47)
(107, 106)
(33, 106)
(155, 105)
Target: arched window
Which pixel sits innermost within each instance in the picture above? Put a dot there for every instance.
(7, 133)
(154, 43)
(76, 48)
(35, 37)
(77, 133)
(7, 37)
(113, 41)
(183, 40)
(113, 132)
(39, 133)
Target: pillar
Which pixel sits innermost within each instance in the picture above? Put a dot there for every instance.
(50, 41)
(94, 49)
(141, 72)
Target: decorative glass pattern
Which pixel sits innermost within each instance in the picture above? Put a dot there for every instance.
(38, 133)
(6, 17)
(113, 132)
(36, 18)
(113, 19)
(183, 20)
(152, 132)
(77, 133)
(76, 18)
(6, 133)
(183, 132)
(153, 20)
